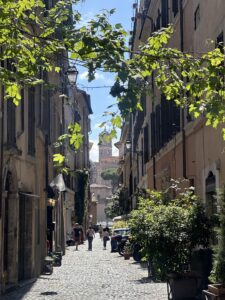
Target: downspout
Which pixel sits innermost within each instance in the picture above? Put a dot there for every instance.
(2, 287)
(182, 112)
(46, 161)
(153, 154)
(1, 147)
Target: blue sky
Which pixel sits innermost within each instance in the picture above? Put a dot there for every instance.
(100, 97)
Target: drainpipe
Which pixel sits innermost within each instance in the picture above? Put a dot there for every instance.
(182, 112)
(1, 147)
(1, 190)
(46, 161)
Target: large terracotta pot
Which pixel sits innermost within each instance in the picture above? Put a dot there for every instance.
(216, 289)
(126, 255)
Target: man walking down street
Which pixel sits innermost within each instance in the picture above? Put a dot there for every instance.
(90, 235)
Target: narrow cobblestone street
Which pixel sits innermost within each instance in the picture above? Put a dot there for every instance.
(93, 275)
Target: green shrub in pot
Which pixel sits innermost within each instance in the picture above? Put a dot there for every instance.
(169, 229)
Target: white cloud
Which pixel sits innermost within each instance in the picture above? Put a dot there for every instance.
(86, 17)
(83, 76)
(98, 76)
(94, 151)
(96, 126)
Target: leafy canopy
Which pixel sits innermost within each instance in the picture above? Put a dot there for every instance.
(193, 82)
(36, 39)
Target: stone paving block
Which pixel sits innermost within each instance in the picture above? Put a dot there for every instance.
(92, 275)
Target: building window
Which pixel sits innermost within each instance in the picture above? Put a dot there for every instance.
(175, 7)
(11, 123)
(46, 108)
(38, 101)
(146, 144)
(197, 17)
(31, 121)
(165, 14)
(220, 42)
(143, 104)
(22, 110)
(153, 142)
(165, 123)
(158, 21)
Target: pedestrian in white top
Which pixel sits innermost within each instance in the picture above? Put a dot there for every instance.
(90, 235)
(105, 236)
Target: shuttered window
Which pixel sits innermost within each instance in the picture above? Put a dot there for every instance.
(46, 108)
(158, 139)
(175, 7)
(197, 17)
(146, 144)
(11, 123)
(220, 42)
(22, 110)
(152, 134)
(31, 121)
(165, 123)
(165, 13)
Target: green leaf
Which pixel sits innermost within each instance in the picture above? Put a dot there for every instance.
(57, 69)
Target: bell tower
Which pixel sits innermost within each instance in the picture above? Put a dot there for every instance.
(105, 146)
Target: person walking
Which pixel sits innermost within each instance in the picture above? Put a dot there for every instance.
(90, 235)
(100, 230)
(105, 236)
(76, 235)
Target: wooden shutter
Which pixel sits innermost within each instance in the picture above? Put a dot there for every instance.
(165, 15)
(31, 121)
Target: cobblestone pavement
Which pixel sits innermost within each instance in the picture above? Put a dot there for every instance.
(92, 275)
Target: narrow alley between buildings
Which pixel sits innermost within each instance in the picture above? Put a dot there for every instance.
(92, 275)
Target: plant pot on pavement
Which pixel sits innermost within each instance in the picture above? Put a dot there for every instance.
(182, 286)
(127, 250)
(127, 255)
(215, 291)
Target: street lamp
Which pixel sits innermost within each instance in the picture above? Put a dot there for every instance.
(72, 74)
(128, 147)
(128, 144)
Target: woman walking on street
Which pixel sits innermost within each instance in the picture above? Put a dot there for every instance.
(105, 236)
(76, 234)
(90, 235)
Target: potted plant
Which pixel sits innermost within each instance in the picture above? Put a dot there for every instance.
(217, 288)
(168, 229)
(127, 250)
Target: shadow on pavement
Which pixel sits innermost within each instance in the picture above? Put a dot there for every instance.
(49, 293)
(145, 280)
